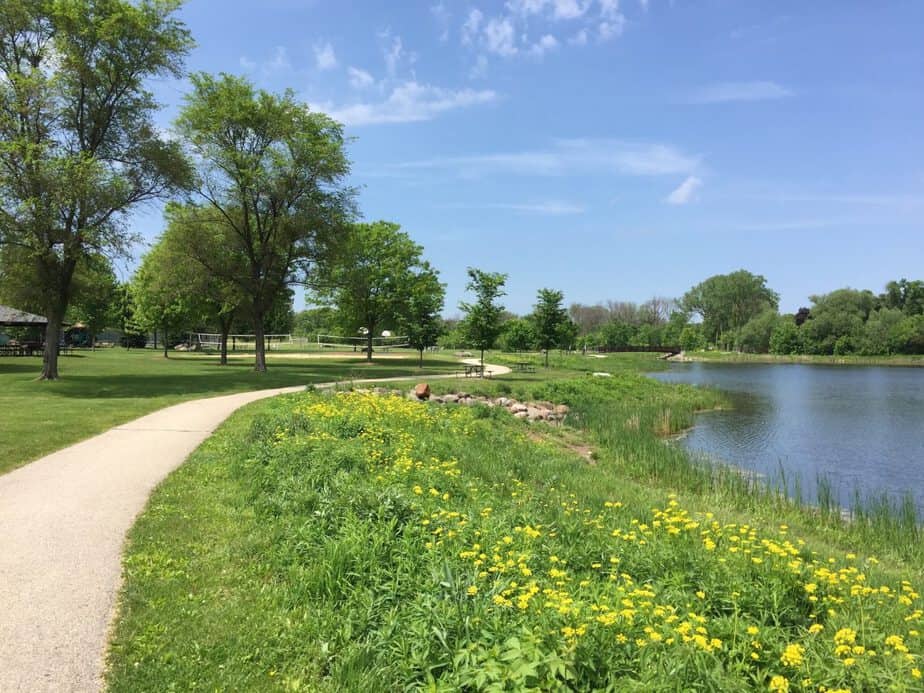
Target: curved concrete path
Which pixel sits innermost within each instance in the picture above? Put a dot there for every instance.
(63, 520)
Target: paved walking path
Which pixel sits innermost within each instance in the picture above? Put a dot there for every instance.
(63, 520)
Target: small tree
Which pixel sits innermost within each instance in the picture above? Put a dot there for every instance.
(372, 279)
(161, 301)
(95, 295)
(549, 317)
(422, 322)
(482, 322)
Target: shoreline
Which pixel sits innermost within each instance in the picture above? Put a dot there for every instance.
(905, 361)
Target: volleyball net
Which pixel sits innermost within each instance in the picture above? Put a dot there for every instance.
(211, 341)
(332, 341)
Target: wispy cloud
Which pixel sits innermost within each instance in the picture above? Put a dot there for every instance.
(441, 16)
(544, 45)
(685, 192)
(359, 79)
(324, 56)
(410, 102)
(724, 92)
(565, 157)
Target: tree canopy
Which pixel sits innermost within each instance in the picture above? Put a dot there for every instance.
(271, 175)
(376, 280)
(482, 323)
(725, 302)
(78, 145)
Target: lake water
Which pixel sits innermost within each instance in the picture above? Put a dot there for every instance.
(860, 427)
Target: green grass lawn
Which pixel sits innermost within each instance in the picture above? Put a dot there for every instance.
(107, 387)
(353, 542)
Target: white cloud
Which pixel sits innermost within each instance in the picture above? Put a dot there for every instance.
(499, 36)
(247, 64)
(569, 9)
(411, 102)
(394, 54)
(611, 29)
(471, 26)
(644, 4)
(442, 16)
(575, 156)
(609, 9)
(324, 56)
(544, 45)
(526, 7)
(685, 192)
(724, 92)
(579, 39)
(359, 79)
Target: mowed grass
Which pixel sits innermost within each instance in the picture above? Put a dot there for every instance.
(353, 542)
(107, 387)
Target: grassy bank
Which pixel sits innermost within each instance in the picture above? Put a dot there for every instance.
(353, 542)
(104, 388)
(739, 357)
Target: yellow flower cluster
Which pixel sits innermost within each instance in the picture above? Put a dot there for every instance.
(512, 570)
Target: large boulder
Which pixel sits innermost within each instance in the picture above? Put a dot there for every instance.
(422, 390)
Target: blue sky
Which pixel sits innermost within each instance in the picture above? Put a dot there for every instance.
(611, 149)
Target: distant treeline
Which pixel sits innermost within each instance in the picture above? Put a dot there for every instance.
(735, 311)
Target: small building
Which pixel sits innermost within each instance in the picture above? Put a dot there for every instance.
(13, 318)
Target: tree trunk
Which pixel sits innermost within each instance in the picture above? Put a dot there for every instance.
(166, 355)
(482, 358)
(369, 346)
(259, 342)
(546, 358)
(421, 357)
(225, 329)
(50, 353)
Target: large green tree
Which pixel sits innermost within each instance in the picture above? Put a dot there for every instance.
(726, 302)
(272, 174)
(78, 146)
(372, 279)
(482, 322)
(549, 318)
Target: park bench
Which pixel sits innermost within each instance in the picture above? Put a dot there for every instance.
(524, 366)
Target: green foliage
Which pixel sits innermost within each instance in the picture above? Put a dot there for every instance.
(482, 323)
(726, 302)
(836, 321)
(785, 338)
(421, 321)
(78, 144)
(372, 543)
(549, 319)
(518, 334)
(754, 337)
(376, 281)
(692, 338)
(271, 175)
(95, 295)
(314, 321)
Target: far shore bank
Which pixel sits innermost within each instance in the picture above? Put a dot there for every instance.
(810, 359)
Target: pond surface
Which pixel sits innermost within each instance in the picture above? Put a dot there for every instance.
(862, 428)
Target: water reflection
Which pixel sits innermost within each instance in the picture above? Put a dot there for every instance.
(861, 428)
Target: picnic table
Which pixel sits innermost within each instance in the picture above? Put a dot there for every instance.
(524, 366)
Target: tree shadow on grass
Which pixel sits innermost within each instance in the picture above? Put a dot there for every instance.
(218, 380)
